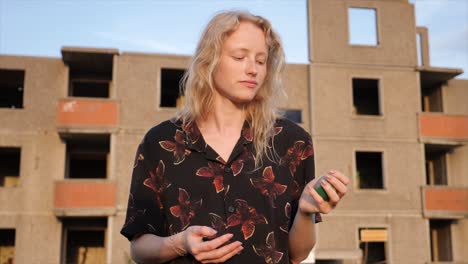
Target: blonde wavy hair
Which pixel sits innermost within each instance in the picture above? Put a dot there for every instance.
(197, 83)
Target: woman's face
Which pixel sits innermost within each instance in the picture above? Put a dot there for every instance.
(242, 66)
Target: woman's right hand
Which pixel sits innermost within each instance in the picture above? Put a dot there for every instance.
(211, 251)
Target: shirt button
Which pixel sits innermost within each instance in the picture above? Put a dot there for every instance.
(231, 209)
(227, 169)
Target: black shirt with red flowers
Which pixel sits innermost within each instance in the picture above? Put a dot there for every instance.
(178, 181)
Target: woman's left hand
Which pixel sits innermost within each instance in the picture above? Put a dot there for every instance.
(311, 202)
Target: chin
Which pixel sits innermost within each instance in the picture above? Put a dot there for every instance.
(243, 99)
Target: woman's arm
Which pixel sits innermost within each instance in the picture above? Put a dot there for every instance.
(150, 248)
(302, 236)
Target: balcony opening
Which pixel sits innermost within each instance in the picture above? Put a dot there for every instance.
(293, 115)
(366, 99)
(369, 174)
(9, 166)
(362, 24)
(90, 71)
(95, 86)
(436, 167)
(7, 246)
(87, 156)
(372, 242)
(83, 240)
(11, 88)
(441, 240)
(432, 100)
(170, 87)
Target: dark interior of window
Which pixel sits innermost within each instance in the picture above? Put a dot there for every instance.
(9, 166)
(373, 252)
(436, 168)
(369, 170)
(84, 240)
(366, 96)
(89, 84)
(293, 115)
(432, 99)
(11, 88)
(7, 237)
(87, 156)
(170, 83)
(441, 240)
(7, 246)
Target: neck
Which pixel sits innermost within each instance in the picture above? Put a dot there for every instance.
(224, 118)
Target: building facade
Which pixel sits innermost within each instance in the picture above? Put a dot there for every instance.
(377, 110)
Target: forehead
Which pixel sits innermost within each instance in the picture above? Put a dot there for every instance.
(247, 36)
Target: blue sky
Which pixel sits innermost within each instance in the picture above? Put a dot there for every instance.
(42, 27)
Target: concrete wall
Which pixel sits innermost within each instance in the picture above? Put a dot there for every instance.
(329, 33)
(29, 207)
(332, 100)
(455, 97)
(338, 132)
(459, 238)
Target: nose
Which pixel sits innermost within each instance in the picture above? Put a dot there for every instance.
(251, 67)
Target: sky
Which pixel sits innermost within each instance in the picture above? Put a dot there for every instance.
(42, 27)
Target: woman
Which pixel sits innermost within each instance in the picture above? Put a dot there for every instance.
(228, 180)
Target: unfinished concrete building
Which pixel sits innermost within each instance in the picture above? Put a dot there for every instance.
(377, 110)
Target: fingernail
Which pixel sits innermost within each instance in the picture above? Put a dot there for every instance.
(332, 171)
(329, 178)
(324, 183)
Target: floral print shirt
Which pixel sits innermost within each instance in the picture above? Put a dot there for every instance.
(178, 180)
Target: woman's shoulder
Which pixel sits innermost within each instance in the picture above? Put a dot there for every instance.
(164, 130)
(287, 128)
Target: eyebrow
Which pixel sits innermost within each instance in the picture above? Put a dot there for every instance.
(244, 49)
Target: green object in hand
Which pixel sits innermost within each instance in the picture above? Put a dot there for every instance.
(322, 193)
(319, 188)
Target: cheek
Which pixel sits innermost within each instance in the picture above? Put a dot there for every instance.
(222, 71)
(219, 72)
(262, 74)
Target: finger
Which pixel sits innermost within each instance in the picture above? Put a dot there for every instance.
(314, 194)
(212, 244)
(211, 256)
(337, 184)
(334, 198)
(322, 205)
(228, 255)
(205, 231)
(340, 176)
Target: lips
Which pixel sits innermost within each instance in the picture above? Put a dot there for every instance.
(250, 84)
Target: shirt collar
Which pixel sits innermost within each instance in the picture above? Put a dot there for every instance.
(194, 139)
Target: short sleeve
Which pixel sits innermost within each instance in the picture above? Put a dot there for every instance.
(308, 168)
(144, 214)
(305, 172)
